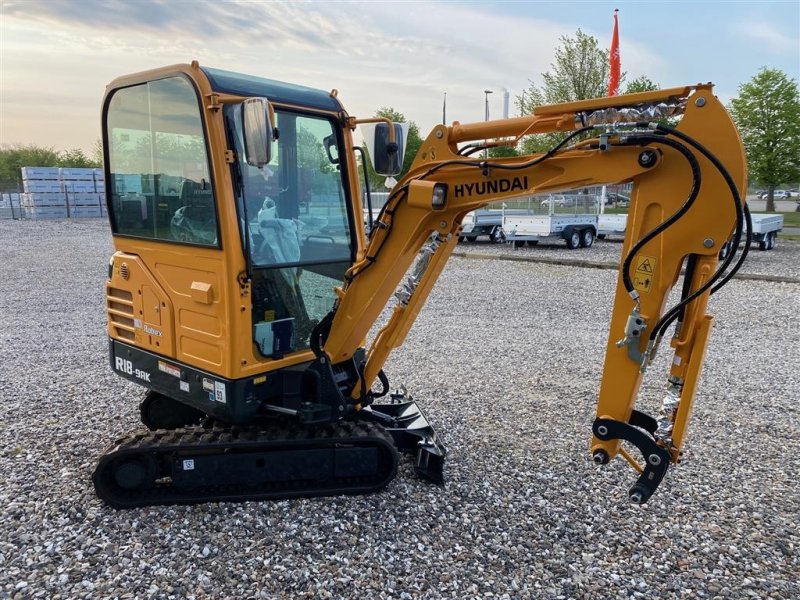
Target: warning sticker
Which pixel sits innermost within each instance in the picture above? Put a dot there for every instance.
(169, 369)
(646, 265)
(643, 275)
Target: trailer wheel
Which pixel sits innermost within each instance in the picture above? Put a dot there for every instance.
(587, 238)
(497, 236)
(601, 236)
(519, 243)
(726, 249)
(573, 239)
(533, 242)
(764, 244)
(772, 240)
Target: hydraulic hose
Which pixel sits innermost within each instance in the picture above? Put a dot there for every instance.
(664, 225)
(672, 314)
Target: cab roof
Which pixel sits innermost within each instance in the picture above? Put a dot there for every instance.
(277, 92)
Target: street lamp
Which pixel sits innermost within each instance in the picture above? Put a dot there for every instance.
(486, 105)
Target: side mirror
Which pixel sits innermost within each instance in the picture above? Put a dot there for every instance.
(386, 158)
(331, 149)
(257, 131)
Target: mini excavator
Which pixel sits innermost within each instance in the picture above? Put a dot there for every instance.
(244, 286)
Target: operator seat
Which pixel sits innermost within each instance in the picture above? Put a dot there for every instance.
(195, 220)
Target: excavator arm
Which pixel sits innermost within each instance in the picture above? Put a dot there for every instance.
(685, 205)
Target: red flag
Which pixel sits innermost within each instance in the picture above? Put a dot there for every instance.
(613, 76)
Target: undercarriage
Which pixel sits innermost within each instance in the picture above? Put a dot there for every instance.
(190, 456)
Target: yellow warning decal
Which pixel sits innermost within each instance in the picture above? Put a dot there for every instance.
(645, 271)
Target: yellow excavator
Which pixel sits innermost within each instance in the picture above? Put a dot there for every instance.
(243, 286)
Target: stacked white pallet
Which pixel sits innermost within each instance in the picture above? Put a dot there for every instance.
(44, 197)
(100, 189)
(99, 181)
(53, 193)
(10, 206)
(12, 200)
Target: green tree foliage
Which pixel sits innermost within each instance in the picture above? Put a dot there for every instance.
(14, 156)
(97, 151)
(503, 152)
(75, 157)
(413, 144)
(767, 113)
(580, 71)
(641, 84)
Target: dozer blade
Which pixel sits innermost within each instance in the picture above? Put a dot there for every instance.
(225, 464)
(412, 433)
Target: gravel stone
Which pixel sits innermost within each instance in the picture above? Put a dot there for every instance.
(506, 359)
(779, 262)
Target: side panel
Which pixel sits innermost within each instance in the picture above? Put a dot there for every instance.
(233, 401)
(167, 302)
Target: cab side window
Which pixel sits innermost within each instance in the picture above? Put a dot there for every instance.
(158, 163)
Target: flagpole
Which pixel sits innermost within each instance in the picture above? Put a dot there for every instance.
(613, 83)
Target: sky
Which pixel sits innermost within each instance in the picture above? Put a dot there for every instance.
(57, 56)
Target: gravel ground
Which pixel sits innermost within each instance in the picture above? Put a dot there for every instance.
(782, 261)
(509, 380)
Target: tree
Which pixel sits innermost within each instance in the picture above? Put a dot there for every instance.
(503, 151)
(413, 144)
(97, 151)
(14, 156)
(75, 157)
(580, 71)
(641, 84)
(767, 113)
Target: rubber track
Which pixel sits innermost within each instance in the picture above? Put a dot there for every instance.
(166, 445)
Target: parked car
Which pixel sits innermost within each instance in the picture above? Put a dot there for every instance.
(777, 195)
(614, 198)
(557, 201)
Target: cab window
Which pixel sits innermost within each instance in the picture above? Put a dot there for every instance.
(298, 230)
(158, 164)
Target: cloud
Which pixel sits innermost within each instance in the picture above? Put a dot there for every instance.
(768, 37)
(403, 55)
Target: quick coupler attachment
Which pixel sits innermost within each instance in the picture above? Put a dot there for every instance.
(656, 458)
(412, 433)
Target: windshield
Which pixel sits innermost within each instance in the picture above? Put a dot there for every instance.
(298, 228)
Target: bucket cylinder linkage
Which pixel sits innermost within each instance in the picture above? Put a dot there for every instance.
(635, 431)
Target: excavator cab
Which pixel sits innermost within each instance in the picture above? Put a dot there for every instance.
(277, 205)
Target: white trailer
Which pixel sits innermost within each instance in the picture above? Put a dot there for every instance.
(575, 230)
(608, 224)
(765, 232)
(765, 229)
(486, 221)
